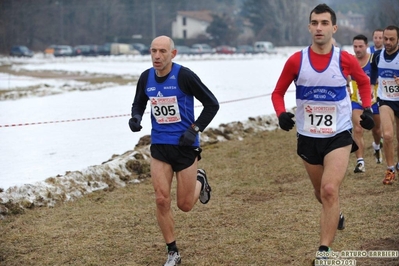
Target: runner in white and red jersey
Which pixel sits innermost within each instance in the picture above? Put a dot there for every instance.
(323, 114)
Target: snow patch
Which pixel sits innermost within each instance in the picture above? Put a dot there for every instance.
(128, 168)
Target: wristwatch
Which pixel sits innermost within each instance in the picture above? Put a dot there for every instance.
(195, 127)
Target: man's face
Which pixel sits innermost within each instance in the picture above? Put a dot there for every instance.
(321, 28)
(162, 54)
(390, 41)
(360, 48)
(378, 39)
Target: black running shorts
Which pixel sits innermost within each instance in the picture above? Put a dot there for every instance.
(313, 150)
(179, 157)
(392, 104)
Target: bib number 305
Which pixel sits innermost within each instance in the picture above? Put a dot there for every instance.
(165, 109)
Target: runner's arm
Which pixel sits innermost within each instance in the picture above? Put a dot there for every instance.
(374, 67)
(191, 84)
(288, 74)
(140, 98)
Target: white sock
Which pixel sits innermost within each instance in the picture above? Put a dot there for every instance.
(375, 146)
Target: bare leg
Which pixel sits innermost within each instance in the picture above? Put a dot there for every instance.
(387, 122)
(326, 181)
(188, 190)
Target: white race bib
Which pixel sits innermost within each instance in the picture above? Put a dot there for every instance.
(320, 119)
(165, 109)
(390, 90)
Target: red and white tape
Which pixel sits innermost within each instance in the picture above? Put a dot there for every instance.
(115, 116)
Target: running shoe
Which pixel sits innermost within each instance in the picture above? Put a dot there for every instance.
(397, 166)
(341, 223)
(389, 177)
(359, 168)
(322, 257)
(205, 194)
(173, 258)
(378, 157)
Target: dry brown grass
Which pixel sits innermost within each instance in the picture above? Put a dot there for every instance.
(262, 212)
(37, 90)
(84, 77)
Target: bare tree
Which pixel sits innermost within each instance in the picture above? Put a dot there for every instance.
(282, 21)
(384, 14)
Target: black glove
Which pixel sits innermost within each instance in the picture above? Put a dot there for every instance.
(367, 121)
(285, 121)
(134, 123)
(188, 138)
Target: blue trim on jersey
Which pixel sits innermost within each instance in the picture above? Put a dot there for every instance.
(372, 49)
(320, 93)
(388, 72)
(170, 133)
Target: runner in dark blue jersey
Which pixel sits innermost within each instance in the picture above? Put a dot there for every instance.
(175, 148)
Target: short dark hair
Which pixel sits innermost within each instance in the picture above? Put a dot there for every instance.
(360, 37)
(323, 8)
(393, 27)
(377, 30)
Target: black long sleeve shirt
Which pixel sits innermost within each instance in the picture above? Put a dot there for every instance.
(190, 84)
(374, 63)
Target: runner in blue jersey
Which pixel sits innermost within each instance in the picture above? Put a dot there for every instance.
(385, 69)
(360, 49)
(171, 88)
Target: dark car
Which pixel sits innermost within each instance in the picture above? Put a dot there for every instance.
(142, 48)
(20, 50)
(104, 49)
(245, 49)
(81, 50)
(85, 50)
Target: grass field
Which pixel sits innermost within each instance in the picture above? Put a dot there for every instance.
(262, 212)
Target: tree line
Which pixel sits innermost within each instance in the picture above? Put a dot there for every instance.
(40, 23)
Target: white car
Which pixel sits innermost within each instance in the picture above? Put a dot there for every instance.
(202, 48)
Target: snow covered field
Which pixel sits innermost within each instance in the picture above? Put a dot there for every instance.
(97, 127)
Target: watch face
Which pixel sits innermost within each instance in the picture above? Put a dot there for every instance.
(196, 128)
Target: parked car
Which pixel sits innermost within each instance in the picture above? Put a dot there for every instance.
(201, 48)
(59, 50)
(81, 50)
(85, 50)
(245, 49)
(182, 49)
(123, 49)
(19, 50)
(225, 49)
(141, 47)
(264, 47)
(104, 49)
